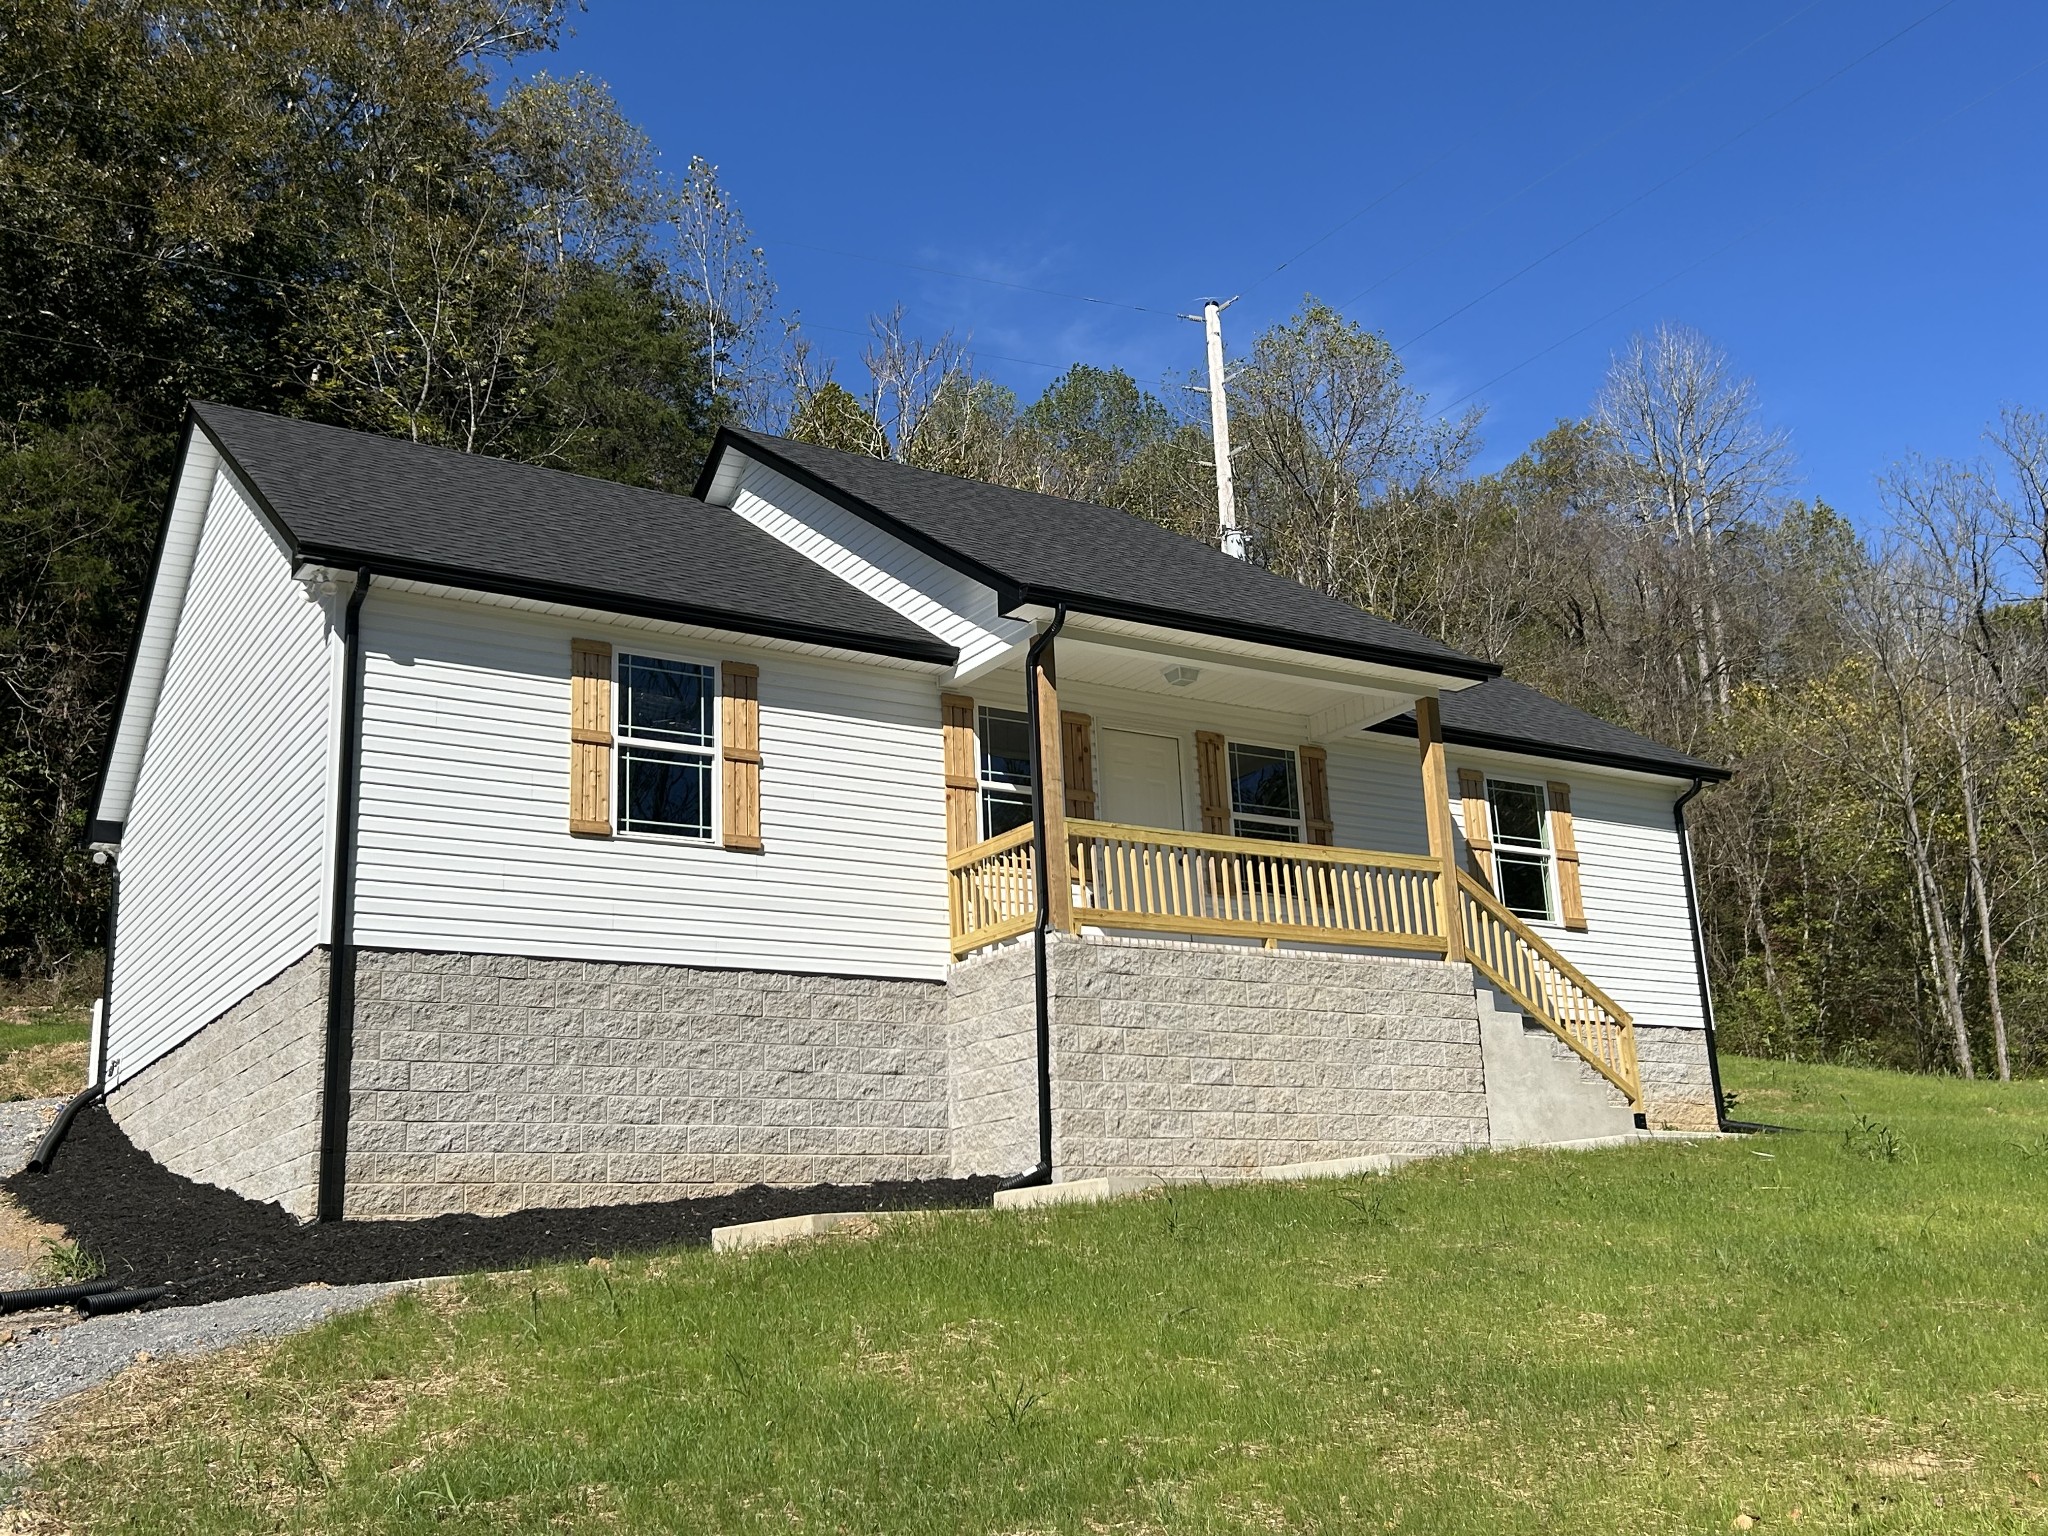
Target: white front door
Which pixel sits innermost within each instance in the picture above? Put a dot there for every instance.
(1140, 775)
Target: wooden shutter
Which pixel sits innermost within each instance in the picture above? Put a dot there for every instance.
(1478, 824)
(740, 750)
(963, 782)
(1315, 795)
(1564, 846)
(590, 738)
(1212, 772)
(1077, 743)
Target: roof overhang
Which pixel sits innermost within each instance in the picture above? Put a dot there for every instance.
(1621, 762)
(718, 483)
(932, 650)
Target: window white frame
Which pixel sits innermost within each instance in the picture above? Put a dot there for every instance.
(1002, 790)
(1264, 823)
(1516, 850)
(646, 743)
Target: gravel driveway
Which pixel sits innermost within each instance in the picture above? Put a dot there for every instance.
(49, 1362)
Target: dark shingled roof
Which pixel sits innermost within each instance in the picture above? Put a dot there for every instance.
(1513, 717)
(350, 498)
(1044, 549)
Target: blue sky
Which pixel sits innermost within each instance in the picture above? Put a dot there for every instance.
(1862, 230)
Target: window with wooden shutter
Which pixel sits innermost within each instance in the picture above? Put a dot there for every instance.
(963, 784)
(740, 753)
(1213, 776)
(1315, 795)
(1564, 845)
(1077, 751)
(1478, 825)
(590, 738)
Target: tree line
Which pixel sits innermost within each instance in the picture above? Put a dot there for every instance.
(383, 217)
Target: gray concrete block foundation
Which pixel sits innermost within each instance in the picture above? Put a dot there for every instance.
(238, 1104)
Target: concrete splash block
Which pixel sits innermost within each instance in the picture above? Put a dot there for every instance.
(788, 1229)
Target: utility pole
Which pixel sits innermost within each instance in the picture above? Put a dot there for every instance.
(1219, 427)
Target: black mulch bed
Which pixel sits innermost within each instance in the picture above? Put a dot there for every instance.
(150, 1226)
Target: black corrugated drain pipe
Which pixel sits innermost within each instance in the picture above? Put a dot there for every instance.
(1041, 865)
(46, 1149)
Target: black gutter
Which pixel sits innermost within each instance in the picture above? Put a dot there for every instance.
(341, 954)
(1486, 741)
(918, 648)
(1012, 594)
(1699, 949)
(1035, 660)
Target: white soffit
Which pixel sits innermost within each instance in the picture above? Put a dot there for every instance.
(665, 627)
(166, 604)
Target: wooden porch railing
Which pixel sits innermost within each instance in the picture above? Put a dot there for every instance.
(1241, 887)
(1508, 953)
(993, 893)
(1152, 880)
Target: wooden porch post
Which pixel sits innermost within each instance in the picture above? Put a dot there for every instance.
(1436, 811)
(1052, 796)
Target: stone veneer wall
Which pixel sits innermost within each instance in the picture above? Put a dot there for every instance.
(238, 1104)
(493, 1083)
(1205, 1059)
(1678, 1079)
(992, 1034)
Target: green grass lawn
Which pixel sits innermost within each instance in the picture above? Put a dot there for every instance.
(1841, 1330)
(42, 1051)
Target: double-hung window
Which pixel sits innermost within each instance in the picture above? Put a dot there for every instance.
(1005, 737)
(666, 742)
(1265, 793)
(1521, 847)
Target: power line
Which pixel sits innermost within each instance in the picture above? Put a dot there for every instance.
(1545, 89)
(1748, 233)
(1570, 160)
(1682, 171)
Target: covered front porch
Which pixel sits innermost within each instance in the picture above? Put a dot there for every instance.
(1095, 768)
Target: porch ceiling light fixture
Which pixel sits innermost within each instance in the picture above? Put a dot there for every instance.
(1181, 677)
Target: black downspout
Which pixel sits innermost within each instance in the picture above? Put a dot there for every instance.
(46, 1149)
(1042, 876)
(341, 949)
(1699, 946)
(113, 857)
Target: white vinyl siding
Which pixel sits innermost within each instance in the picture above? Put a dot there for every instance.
(465, 791)
(224, 854)
(958, 609)
(1637, 946)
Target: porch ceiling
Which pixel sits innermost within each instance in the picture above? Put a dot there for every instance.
(1332, 702)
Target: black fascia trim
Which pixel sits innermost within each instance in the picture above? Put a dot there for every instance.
(1012, 595)
(156, 562)
(1404, 725)
(1262, 634)
(98, 831)
(937, 652)
(1008, 594)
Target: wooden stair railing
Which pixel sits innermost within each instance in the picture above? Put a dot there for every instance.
(1553, 991)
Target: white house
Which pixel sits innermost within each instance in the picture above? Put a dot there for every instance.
(489, 837)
